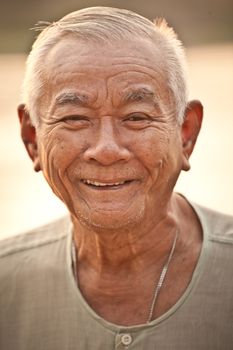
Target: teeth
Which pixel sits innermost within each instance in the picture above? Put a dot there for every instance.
(99, 184)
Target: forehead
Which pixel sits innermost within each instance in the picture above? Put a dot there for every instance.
(75, 64)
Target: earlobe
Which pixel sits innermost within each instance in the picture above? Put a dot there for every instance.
(190, 130)
(28, 135)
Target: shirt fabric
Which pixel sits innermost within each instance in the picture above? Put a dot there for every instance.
(41, 307)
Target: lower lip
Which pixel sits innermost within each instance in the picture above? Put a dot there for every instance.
(109, 188)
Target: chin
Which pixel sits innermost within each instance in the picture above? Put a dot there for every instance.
(111, 219)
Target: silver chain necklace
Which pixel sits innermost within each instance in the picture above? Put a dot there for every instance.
(162, 276)
(158, 285)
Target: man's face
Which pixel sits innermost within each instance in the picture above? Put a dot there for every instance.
(108, 142)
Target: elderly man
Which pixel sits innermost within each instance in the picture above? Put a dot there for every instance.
(135, 266)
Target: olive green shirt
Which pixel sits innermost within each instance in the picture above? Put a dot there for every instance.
(42, 308)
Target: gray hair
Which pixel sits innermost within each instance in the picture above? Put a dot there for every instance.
(106, 23)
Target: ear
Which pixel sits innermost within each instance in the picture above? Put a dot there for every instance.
(28, 135)
(190, 130)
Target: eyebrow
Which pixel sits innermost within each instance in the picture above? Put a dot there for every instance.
(140, 95)
(71, 98)
(137, 95)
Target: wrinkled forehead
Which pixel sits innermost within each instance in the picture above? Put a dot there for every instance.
(75, 61)
(114, 71)
(73, 51)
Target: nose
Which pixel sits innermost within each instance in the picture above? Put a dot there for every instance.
(106, 148)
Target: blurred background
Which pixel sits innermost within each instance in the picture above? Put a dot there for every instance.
(206, 29)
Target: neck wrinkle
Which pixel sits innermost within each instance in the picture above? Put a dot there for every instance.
(133, 250)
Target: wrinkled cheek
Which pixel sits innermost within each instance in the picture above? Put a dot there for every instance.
(168, 171)
(53, 169)
(159, 164)
(157, 176)
(155, 162)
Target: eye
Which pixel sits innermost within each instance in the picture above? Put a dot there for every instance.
(137, 120)
(137, 117)
(75, 120)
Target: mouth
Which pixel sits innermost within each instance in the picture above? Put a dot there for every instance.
(99, 185)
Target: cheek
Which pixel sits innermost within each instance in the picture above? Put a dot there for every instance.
(161, 155)
(57, 152)
(152, 151)
(171, 163)
(59, 149)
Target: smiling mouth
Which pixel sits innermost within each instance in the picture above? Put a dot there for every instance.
(106, 185)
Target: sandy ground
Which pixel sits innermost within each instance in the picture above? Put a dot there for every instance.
(25, 198)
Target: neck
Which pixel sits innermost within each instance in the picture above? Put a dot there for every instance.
(131, 249)
(117, 272)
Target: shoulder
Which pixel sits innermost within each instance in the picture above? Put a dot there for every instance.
(31, 263)
(219, 226)
(35, 238)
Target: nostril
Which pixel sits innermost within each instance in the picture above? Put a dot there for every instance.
(107, 153)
